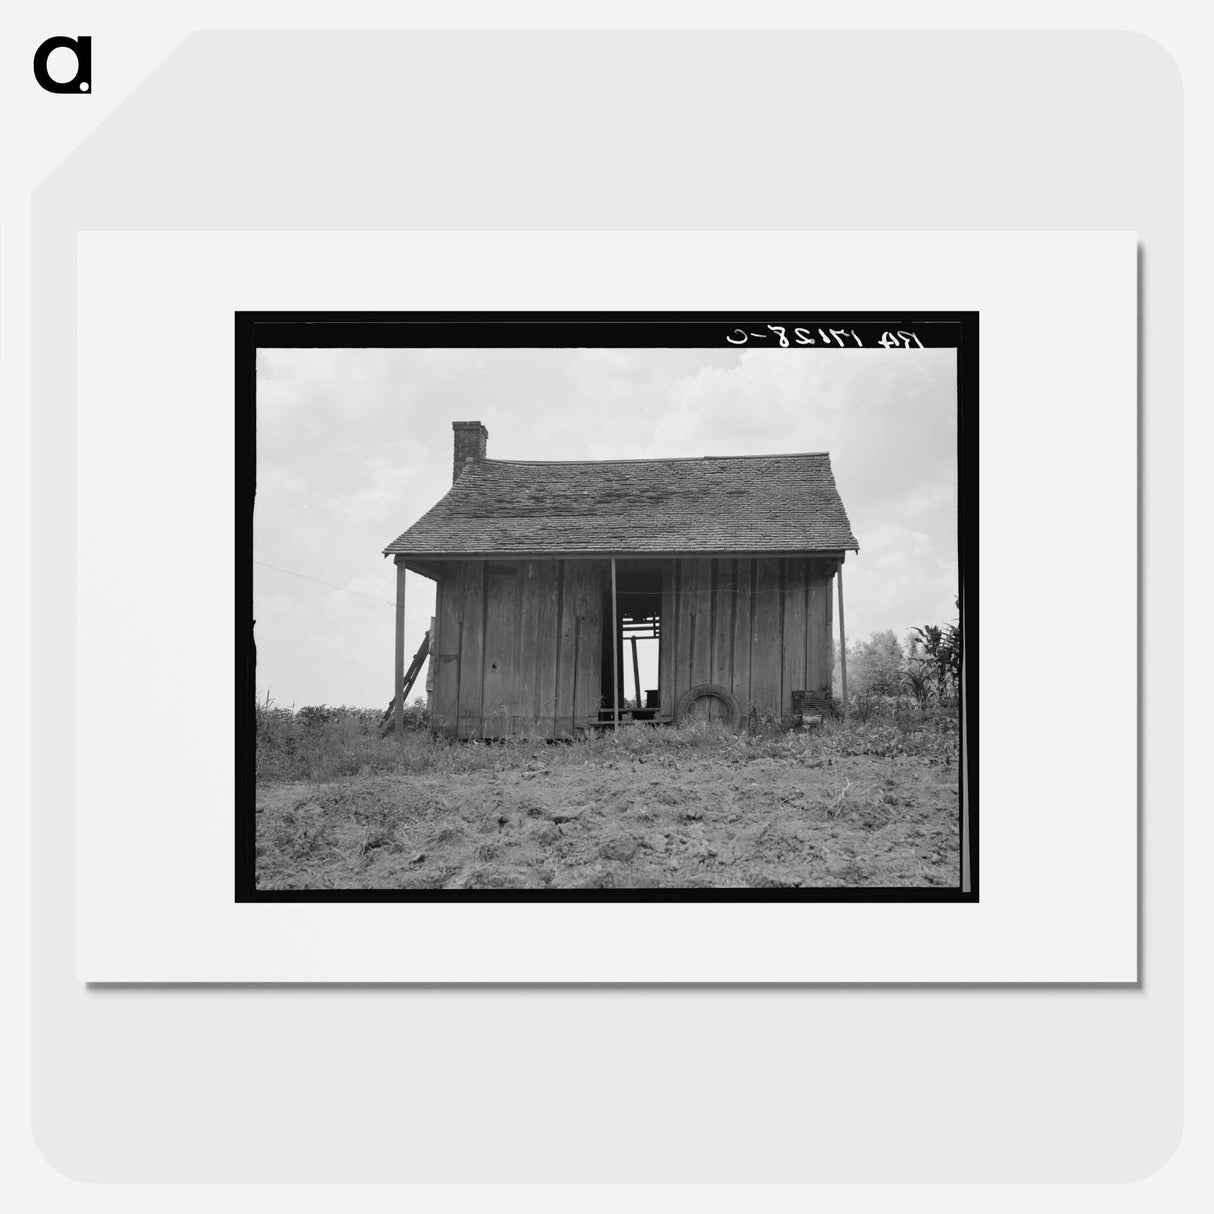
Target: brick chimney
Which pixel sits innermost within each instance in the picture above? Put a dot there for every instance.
(471, 441)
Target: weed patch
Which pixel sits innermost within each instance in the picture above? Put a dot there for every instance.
(869, 803)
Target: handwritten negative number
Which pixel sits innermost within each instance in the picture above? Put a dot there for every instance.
(903, 339)
(827, 337)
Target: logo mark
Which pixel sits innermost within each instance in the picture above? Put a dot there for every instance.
(82, 81)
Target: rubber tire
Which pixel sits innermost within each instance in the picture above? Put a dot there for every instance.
(700, 691)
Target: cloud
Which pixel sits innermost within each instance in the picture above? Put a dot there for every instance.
(379, 497)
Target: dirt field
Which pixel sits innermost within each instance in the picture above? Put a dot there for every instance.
(655, 808)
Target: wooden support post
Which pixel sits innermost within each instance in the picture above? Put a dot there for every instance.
(636, 673)
(615, 651)
(398, 673)
(843, 646)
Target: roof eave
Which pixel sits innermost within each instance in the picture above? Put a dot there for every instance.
(607, 553)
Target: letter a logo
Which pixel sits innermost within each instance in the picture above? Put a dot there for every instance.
(82, 81)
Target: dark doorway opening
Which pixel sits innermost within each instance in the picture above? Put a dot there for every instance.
(636, 644)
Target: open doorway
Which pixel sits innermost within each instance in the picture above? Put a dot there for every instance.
(636, 645)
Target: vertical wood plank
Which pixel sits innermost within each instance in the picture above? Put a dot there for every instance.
(667, 631)
(503, 608)
(528, 642)
(766, 664)
(684, 608)
(724, 608)
(548, 628)
(701, 612)
(431, 664)
(472, 653)
(795, 667)
(818, 631)
(740, 683)
(588, 661)
(828, 573)
(566, 649)
(723, 596)
(445, 656)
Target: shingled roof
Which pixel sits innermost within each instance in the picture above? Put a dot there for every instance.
(757, 503)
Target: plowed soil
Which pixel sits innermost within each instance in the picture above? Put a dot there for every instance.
(745, 817)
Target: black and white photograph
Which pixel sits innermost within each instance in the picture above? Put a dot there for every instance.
(602, 606)
(561, 555)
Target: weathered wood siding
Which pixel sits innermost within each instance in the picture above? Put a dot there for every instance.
(519, 643)
(759, 627)
(518, 648)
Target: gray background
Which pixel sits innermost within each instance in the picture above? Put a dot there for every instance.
(572, 131)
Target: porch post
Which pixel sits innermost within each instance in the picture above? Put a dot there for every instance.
(842, 645)
(398, 682)
(615, 651)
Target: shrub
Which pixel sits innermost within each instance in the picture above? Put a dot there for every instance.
(323, 740)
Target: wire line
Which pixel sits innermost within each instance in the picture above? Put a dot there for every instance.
(321, 582)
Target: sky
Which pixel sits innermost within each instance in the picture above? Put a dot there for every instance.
(355, 445)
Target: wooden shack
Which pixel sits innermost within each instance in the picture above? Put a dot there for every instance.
(547, 570)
